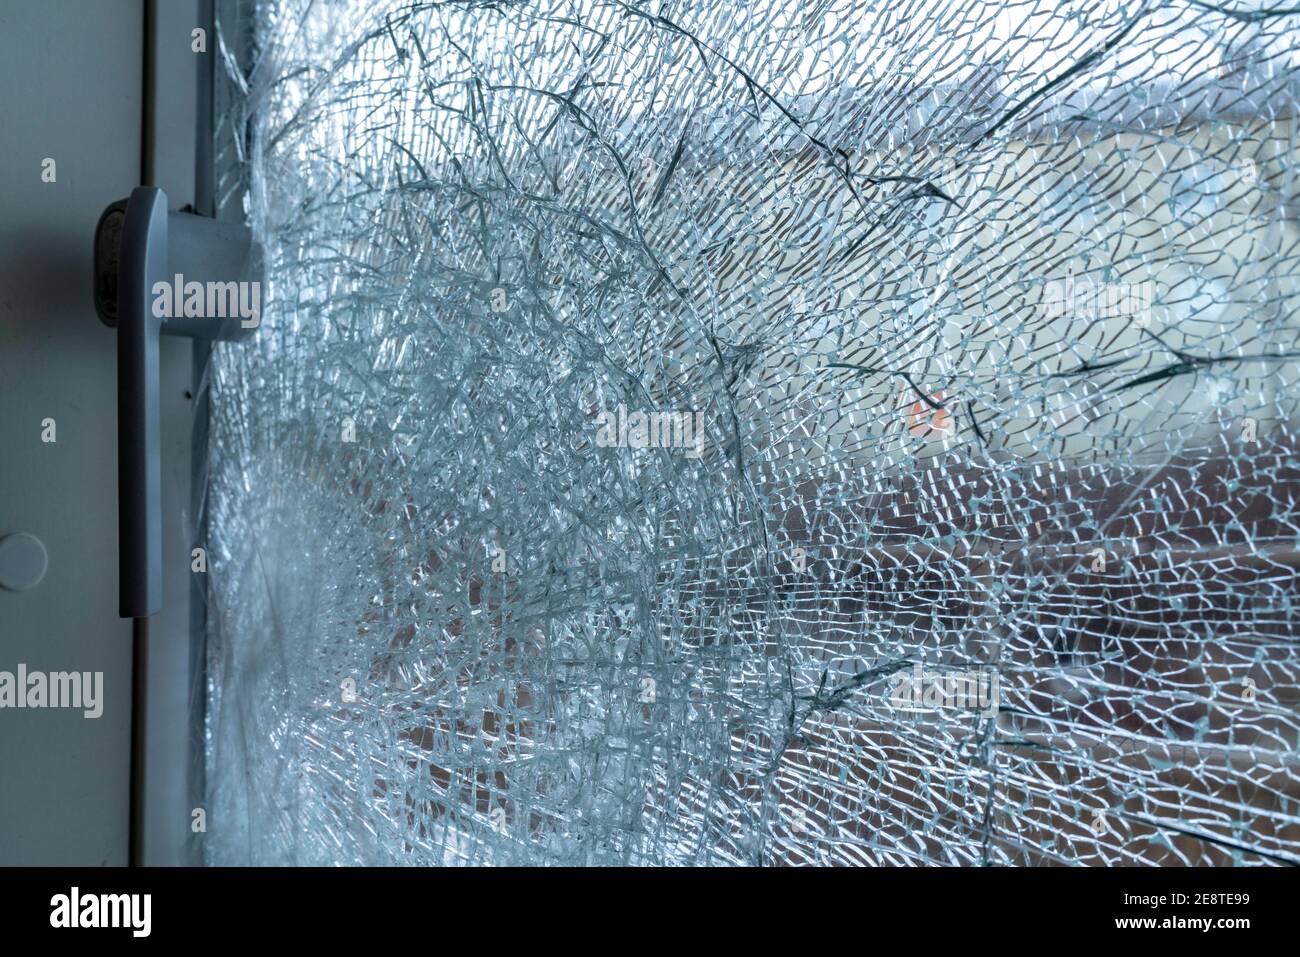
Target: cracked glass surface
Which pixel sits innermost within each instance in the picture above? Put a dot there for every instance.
(760, 433)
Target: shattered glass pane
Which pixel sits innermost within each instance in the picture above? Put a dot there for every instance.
(761, 433)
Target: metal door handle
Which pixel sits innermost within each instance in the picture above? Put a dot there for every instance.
(140, 247)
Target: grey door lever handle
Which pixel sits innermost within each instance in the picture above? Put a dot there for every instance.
(150, 265)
